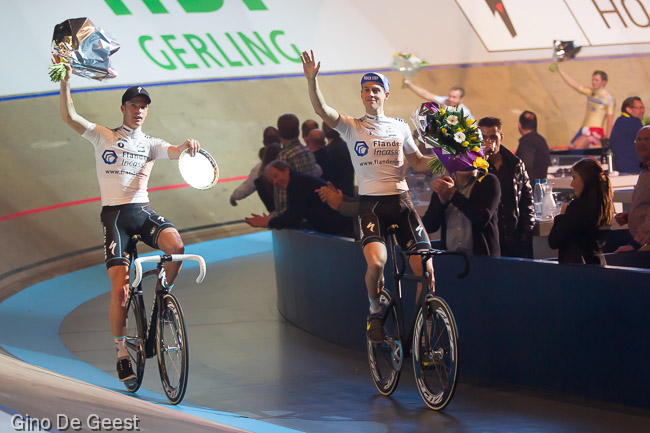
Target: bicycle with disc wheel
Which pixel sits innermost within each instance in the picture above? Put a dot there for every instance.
(165, 335)
(432, 339)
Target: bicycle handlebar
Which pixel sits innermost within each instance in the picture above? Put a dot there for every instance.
(168, 258)
(433, 252)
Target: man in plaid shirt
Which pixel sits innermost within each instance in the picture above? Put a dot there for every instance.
(298, 157)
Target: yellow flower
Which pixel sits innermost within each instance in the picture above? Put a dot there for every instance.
(475, 149)
(481, 163)
(443, 130)
(465, 143)
(470, 122)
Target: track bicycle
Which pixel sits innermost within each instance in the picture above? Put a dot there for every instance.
(432, 338)
(166, 334)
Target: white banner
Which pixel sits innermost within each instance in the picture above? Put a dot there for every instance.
(181, 40)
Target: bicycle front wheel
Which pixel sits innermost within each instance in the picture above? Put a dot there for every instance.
(135, 338)
(172, 349)
(435, 348)
(386, 358)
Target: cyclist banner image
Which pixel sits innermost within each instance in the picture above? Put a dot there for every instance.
(179, 40)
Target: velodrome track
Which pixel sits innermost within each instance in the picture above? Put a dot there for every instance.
(249, 368)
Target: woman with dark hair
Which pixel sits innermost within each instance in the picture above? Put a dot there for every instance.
(576, 231)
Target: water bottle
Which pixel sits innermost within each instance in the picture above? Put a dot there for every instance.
(548, 202)
(538, 198)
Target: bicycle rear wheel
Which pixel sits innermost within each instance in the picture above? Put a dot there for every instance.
(135, 338)
(172, 349)
(386, 358)
(435, 346)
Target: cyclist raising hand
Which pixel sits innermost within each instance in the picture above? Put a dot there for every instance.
(378, 146)
(124, 157)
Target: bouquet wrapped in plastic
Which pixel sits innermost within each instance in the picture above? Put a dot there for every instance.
(85, 47)
(408, 64)
(563, 51)
(454, 137)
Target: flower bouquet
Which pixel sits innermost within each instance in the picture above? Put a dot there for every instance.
(563, 51)
(408, 64)
(85, 47)
(455, 139)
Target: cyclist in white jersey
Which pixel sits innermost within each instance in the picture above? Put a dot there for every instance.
(378, 145)
(124, 158)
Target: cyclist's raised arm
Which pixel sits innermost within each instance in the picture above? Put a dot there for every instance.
(422, 93)
(68, 113)
(174, 152)
(311, 68)
(567, 79)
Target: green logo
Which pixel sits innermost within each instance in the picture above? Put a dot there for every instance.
(190, 6)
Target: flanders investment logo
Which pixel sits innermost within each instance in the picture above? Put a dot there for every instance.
(361, 148)
(109, 157)
(497, 6)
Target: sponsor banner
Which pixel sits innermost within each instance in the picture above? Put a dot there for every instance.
(181, 40)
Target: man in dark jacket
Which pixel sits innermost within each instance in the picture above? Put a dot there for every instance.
(516, 210)
(302, 203)
(623, 135)
(533, 149)
(462, 202)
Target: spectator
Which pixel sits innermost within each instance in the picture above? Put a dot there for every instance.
(454, 98)
(516, 211)
(623, 135)
(264, 186)
(298, 157)
(269, 136)
(575, 231)
(303, 202)
(247, 187)
(316, 144)
(600, 110)
(306, 127)
(466, 210)
(638, 219)
(343, 171)
(532, 150)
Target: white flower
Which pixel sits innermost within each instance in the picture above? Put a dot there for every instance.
(459, 137)
(451, 120)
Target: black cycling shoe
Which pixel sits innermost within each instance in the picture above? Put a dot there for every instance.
(124, 370)
(375, 329)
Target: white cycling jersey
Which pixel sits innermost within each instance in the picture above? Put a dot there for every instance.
(124, 162)
(377, 146)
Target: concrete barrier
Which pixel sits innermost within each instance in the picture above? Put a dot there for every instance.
(572, 329)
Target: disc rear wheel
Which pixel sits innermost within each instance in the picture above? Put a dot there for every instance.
(172, 349)
(135, 338)
(386, 358)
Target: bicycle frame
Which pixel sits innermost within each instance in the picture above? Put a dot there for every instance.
(398, 275)
(136, 286)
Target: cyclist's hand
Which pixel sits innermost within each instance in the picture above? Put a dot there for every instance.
(309, 65)
(193, 145)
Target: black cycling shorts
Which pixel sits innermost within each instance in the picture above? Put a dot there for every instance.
(377, 213)
(122, 222)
